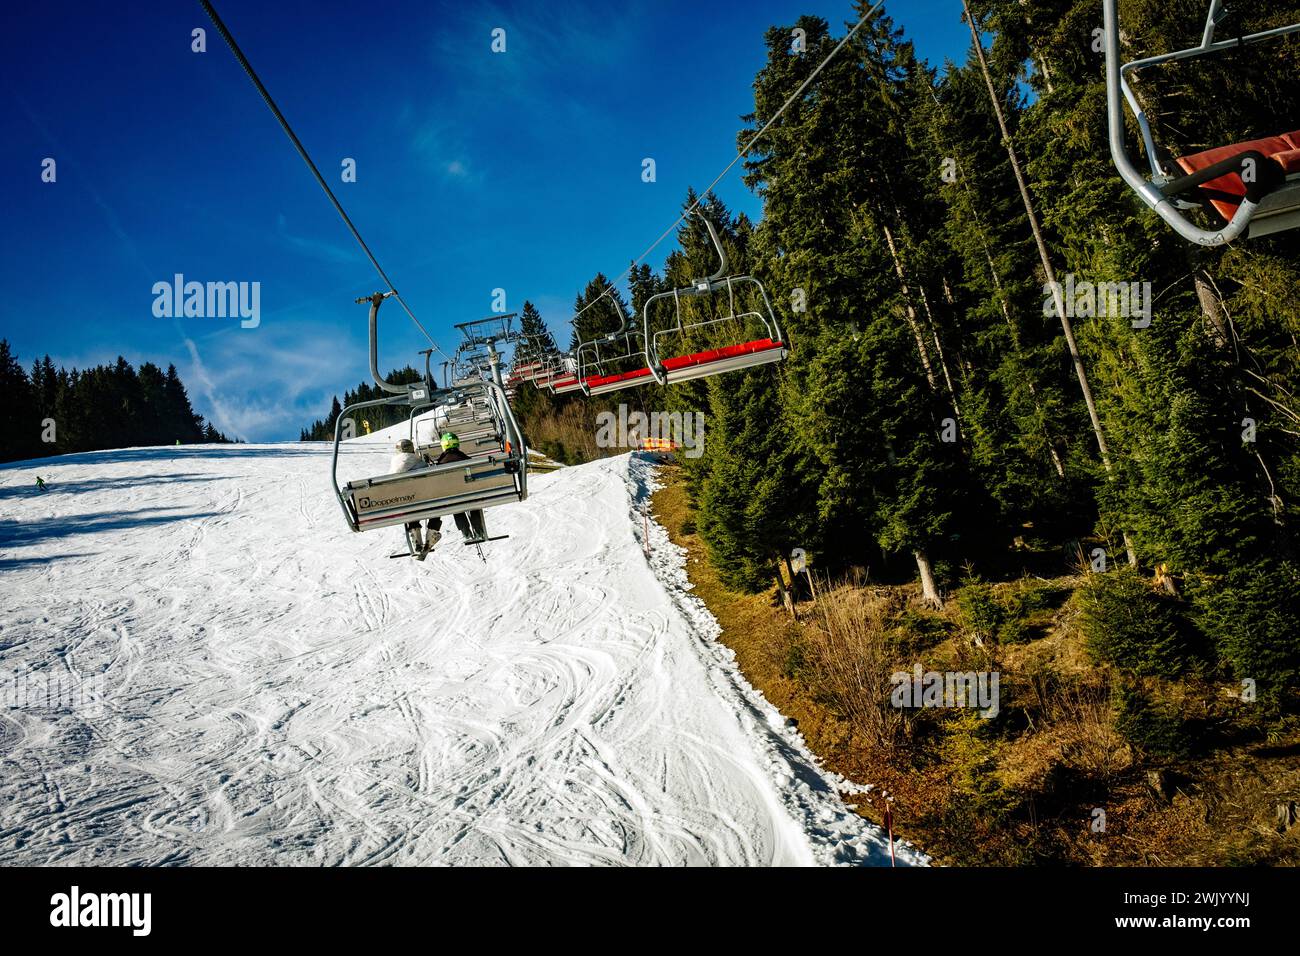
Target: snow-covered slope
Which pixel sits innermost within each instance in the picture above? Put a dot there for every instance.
(280, 692)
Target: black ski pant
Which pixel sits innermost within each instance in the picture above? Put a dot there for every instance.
(468, 523)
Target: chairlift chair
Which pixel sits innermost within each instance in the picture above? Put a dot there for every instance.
(538, 358)
(1253, 185)
(615, 361)
(523, 372)
(767, 346)
(474, 424)
(566, 376)
(551, 367)
(499, 477)
(542, 377)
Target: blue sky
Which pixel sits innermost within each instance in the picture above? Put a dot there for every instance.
(475, 170)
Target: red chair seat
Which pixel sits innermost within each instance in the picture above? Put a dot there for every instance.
(1290, 161)
(1280, 148)
(716, 355)
(595, 381)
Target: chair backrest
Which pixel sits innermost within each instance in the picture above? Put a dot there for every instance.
(432, 492)
(746, 333)
(476, 445)
(620, 361)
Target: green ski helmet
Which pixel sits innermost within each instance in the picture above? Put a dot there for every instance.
(449, 441)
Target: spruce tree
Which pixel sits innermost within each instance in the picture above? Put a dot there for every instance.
(538, 341)
(19, 425)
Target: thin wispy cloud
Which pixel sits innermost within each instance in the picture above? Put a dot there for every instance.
(74, 171)
(456, 169)
(554, 40)
(439, 145)
(258, 384)
(315, 248)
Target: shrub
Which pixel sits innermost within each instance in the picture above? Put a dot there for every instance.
(1151, 727)
(1015, 631)
(912, 629)
(794, 662)
(1001, 613)
(1128, 624)
(981, 613)
(1253, 618)
(1030, 596)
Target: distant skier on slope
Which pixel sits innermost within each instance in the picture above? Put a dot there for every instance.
(405, 459)
(470, 524)
(40, 483)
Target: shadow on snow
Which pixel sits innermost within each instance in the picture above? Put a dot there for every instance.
(26, 533)
(124, 482)
(171, 453)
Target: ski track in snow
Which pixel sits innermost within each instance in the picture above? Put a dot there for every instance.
(279, 692)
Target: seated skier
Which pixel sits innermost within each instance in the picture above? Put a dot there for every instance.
(405, 459)
(469, 524)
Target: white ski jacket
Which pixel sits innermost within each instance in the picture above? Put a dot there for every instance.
(403, 461)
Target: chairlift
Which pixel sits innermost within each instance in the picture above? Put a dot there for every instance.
(631, 356)
(761, 341)
(473, 421)
(531, 360)
(1253, 185)
(471, 362)
(496, 478)
(565, 375)
(615, 361)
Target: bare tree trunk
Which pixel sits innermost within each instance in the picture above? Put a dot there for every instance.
(784, 595)
(967, 368)
(938, 350)
(1221, 331)
(1011, 326)
(1047, 73)
(929, 318)
(1049, 270)
(929, 590)
(912, 322)
(1015, 341)
(1212, 309)
(787, 598)
(794, 578)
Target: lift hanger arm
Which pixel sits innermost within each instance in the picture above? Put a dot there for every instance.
(383, 383)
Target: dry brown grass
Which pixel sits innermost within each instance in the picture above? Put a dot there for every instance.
(572, 427)
(848, 656)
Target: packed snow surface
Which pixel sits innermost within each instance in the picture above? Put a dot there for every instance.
(276, 690)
